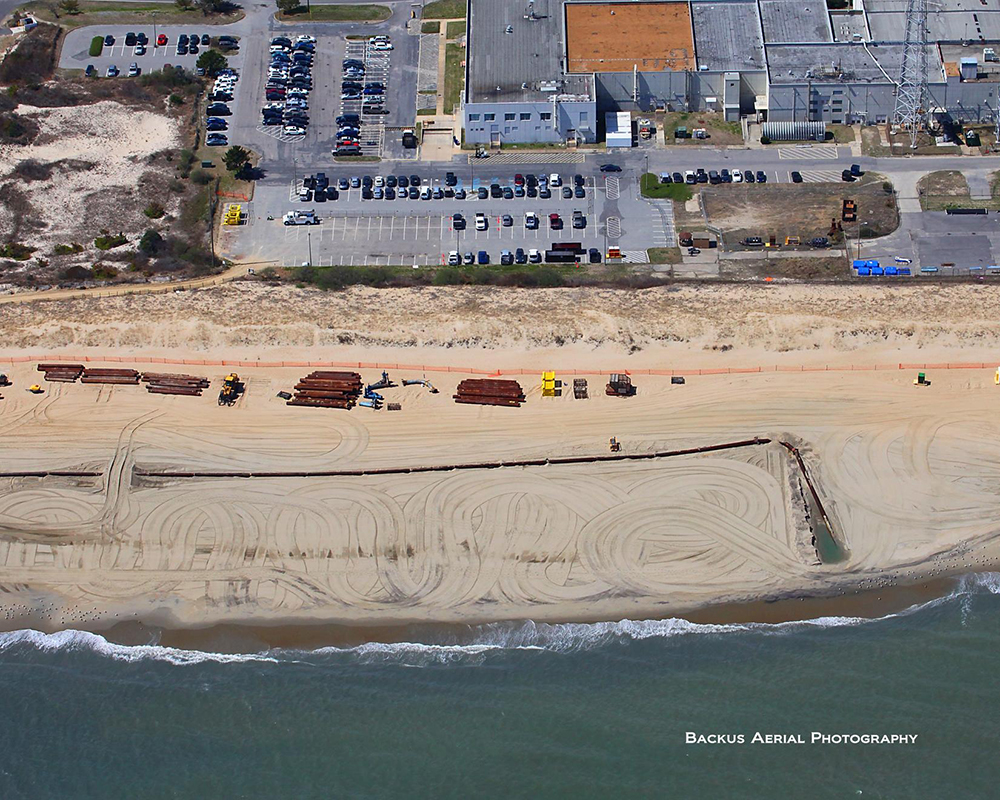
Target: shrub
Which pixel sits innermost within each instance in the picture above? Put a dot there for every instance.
(96, 46)
(104, 272)
(887, 187)
(17, 251)
(67, 249)
(153, 211)
(765, 140)
(175, 100)
(448, 276)
(107, 241)
(201, 177)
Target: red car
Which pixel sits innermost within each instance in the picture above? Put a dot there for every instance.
(161, 40)
(519, 179)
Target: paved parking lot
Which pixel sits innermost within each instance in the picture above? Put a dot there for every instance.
(76, 48)
(354, 230)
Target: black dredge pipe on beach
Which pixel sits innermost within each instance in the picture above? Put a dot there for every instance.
(54, 473)
(540, 462)
(829, 548)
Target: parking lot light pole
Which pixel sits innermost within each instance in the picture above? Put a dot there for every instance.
(309, 242)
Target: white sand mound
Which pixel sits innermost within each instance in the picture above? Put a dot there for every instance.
(114, 139)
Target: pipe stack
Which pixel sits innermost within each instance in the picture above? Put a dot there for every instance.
(323, 389)
(123, 377)
(62, 373)
(489, 392)
(167, 383)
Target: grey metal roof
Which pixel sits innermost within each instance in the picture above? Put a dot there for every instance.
(795, 21)
(841, 63)
(943, 25)
(727, 35)
(513, 67)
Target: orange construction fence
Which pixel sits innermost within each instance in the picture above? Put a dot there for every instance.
(475, 371)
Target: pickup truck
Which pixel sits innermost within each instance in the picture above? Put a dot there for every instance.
(300, 218)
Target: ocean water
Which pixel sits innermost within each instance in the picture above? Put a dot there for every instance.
(532, 711)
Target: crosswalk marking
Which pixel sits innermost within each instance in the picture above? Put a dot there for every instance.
(813, 151)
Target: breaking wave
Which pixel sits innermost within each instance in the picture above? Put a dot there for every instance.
(481, 641)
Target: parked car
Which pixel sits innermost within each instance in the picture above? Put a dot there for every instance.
(534, 256)
(567, 192)
(506, 257)
(216, 124)
(796, 177)
(90, 71)
(481, 223)
(206, 39)
(610, 168)
(112, 71)
(579, 220)
(748, 176)
(484, 257)
(216, 139)
(109, 40)
(161, 40)
(520, 257)
(555, 222)
(761, 176)
(507, 220)
(454, 259)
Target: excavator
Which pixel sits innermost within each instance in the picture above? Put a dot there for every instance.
(231, 390)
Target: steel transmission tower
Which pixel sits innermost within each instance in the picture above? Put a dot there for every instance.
(911, 93)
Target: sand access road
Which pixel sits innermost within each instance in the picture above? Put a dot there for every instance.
(907, 475)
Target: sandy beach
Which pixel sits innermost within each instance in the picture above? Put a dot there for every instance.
(907, 476)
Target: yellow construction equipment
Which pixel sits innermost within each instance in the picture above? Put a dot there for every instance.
(35, 389)
(231, 389)
(233, 215)
(548, 384)
(614, 445)
(996, 377)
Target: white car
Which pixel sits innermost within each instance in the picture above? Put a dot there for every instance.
(380, 46)
(297, 102)
(737, 176)
(305, 37)
(689, 176)
(534, 256)
(454, 258)
(555, 180)
(481, 223)
(279, 48)
(379, 180)
(531, 221)
(293, 130)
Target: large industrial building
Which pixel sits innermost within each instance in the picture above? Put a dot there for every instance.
(550, 70)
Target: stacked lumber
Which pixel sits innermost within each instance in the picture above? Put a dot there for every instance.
(489, 392)
(168, 383)
(62, 373)
(325, 389)
(124, 377)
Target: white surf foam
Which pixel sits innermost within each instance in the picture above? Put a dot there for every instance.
(486, 639)
(84, 640)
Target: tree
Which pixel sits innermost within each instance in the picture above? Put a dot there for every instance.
(183, 5)
(151, 242)
(212, 61)
(287, 6)
(210, 6)
(70, 6)
(236, 159)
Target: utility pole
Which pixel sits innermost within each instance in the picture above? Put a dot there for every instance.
(309, 241)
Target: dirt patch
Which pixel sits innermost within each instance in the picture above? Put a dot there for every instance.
(821, 268)
(803, 210)
(616, 37)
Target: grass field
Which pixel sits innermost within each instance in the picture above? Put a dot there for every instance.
(444, 9)
(456, 29)
(664, 255)
(95, 12)
(454, 76)
(946, 189)
(650, 186)
(434, 26)
(338, 13)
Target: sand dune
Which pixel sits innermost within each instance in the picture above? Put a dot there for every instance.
(726, 321)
